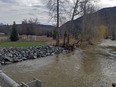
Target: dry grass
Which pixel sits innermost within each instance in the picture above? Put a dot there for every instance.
(48, 40)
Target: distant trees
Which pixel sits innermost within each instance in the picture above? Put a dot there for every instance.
(49, 34)
(29, 26)
(14, 36)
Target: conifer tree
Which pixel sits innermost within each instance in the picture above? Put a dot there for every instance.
(14, 34)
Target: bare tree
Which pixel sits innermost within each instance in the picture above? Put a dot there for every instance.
(91, 29)
(76, 11)
(53, 6)
(56, 9)
(57, 28)
(86, 7)
(80, 7)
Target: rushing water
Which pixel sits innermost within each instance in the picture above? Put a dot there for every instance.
(82, 68)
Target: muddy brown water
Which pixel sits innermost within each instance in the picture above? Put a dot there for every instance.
(81, 68)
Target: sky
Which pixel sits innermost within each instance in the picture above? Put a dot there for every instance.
(17, 10)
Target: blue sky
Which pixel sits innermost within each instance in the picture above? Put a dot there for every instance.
(17, 10)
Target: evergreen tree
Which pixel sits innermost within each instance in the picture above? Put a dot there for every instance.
(14, 34)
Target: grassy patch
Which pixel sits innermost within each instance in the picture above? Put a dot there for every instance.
(20, 44)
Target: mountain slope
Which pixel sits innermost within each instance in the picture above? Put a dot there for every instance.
(105, 16)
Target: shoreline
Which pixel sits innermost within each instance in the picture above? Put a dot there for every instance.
(13, 55)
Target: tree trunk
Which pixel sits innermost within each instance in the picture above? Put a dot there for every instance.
(68, 38)
(72, 23)
(57, 28)
(64, 39)
(113, 35)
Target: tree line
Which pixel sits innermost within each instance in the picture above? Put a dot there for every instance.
(80, 8)
(29, 27)
(88, 27)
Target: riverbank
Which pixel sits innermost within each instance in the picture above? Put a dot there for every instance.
(92, 67)
(12, 54)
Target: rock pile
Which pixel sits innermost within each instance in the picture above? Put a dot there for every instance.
(10, 55)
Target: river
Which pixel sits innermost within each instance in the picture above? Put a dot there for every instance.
(91, 67)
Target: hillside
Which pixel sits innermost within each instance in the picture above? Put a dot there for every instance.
(105, 16)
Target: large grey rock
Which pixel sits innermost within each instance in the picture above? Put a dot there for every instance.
(20, 54)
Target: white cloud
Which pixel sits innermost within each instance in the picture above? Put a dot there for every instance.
(17, 10)
(107, 3)
(29, 2)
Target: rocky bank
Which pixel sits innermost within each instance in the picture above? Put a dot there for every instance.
(11, 55)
